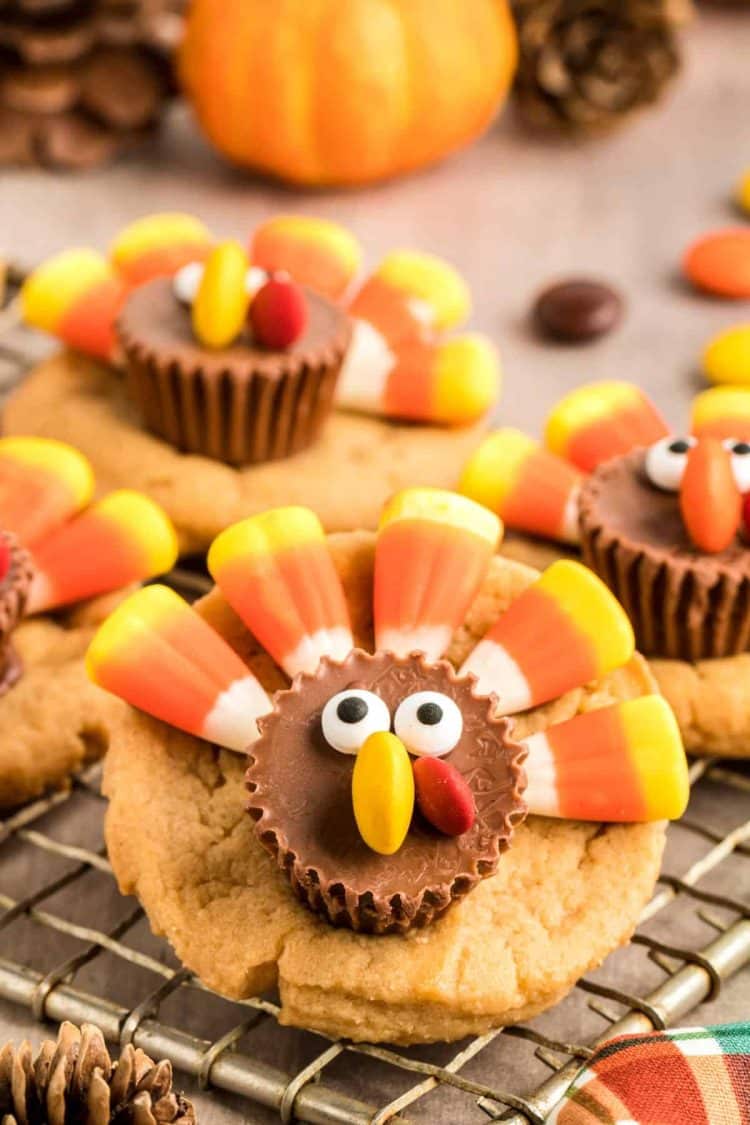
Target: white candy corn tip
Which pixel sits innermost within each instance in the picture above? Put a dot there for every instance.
(431, 640)
(497, 672)
(570, 530)
(334, 643)
(365, 370)
(540, 794)
(231, 722)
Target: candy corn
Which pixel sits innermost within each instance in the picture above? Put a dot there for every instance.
(222, 300)
(530, 488)
(42, 484)
(159, 655)
(412, 293)
(620, 763)
(158, 245)
(450, 383)
(564, 630)
(76, 297)
(123, 538)
(602, 420)
(276, 572)
(383, 792)
(432, 553)
(317, 253)
(722, 412)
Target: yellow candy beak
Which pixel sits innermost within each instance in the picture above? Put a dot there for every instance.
(383, 792)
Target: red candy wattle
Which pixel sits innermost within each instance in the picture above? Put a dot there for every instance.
(746, 516)
(4, 559)
(443, 796)
(278, 313)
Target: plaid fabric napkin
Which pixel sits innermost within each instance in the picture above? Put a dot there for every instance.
(689, 1076)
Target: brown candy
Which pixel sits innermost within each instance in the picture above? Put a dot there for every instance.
(577, 310)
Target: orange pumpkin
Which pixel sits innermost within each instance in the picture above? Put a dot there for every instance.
(345, 91)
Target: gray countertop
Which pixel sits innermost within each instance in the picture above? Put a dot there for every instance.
(511, 213)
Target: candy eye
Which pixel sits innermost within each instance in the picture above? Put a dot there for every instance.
(740, 455)
(186, 282)
(351, 716)
(428, 723)
(666, 460)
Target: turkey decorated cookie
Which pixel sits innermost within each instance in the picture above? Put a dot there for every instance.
(662, 518)
(258, 372)
(65, 558)
(386, 750)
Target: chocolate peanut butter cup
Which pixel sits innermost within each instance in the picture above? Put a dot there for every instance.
(301, 800)
(683, 602)
(15, 579)
(242, 404)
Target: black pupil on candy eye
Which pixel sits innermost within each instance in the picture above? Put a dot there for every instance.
(679, 446)
(352, 709)
(741, 447)
(430, 714)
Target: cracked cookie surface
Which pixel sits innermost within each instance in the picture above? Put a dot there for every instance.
(564, 896)
(54, 720)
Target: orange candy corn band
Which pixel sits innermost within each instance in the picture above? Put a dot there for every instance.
(621, 763)
(722, 412)
(317, 253)
(159, 655)
(123, 538)
(276, 572)
(563, 631)
(412, 294)
(432, 553)
(600, 421)
(42, 484)
(530, 488)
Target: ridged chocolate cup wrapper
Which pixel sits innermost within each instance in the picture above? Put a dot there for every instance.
(301, 800)
(14, 590)
(682, 603)
(243, 404)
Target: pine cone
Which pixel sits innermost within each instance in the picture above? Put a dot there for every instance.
(585, 64)
(82, 80)
(73, 1082)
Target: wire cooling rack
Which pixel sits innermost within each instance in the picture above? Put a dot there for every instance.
(71, 947)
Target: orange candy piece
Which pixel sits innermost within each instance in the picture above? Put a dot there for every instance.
(719, 263)
(316, 252)
(710, 501)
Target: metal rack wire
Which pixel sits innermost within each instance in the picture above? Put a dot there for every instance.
(69, 941)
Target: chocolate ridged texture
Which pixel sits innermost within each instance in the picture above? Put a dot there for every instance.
(14, 590)
(301, 800)
(243, 404)
(682, 603)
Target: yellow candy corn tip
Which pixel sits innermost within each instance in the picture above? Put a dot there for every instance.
(147, 607)
(656, 748)
(148, 523)
(429, 279)
(468, 379)
(55, 286)
(742, 194)
(585, 405)
(441, 506)
(597, 612)
(383, 792)
(152, 231)
(222, 300)
(719, 403)
(336, 238)
(491, 472)
(53, 457)
(726, 358)
(269, 532)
